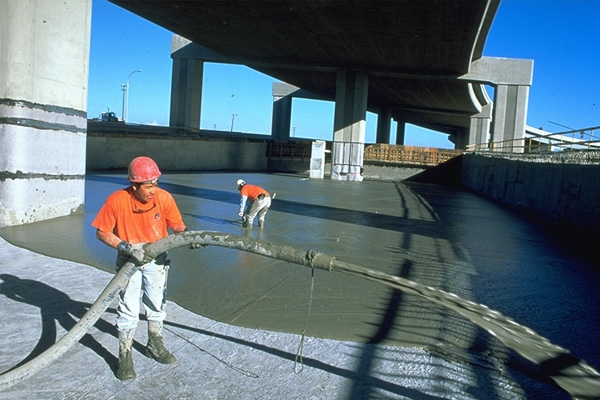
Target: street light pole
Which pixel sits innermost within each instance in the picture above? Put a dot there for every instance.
(125, 89)
(232, 119)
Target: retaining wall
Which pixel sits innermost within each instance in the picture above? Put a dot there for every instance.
(561, 189)
(177, 154)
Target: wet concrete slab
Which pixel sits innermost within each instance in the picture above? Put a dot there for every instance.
(438, 236)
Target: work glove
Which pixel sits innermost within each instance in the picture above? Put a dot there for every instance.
(135, 251)
(241, 213)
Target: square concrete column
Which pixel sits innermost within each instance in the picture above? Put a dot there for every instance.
(281, 118)
(479, 129)
(44, 66)
(349, 125)
(186, 93)
(511, 79)
(510, 116)
(384, 123)
(400, 132)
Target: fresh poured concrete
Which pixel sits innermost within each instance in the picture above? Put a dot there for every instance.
(235, 319)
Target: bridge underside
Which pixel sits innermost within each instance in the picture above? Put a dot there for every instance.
(412, 51)
(415, 59)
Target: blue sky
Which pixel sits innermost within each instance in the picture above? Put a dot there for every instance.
(561, 36)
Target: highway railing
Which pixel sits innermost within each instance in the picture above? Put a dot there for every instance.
(538, 141)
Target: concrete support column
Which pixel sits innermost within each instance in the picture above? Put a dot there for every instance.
(460, 138)
(384, 123)
(349, 125)
(186, 93)
(511, 79)
(400, 132)
(510, 115)
(282, 111)
(281, 119)
(479, 129)
(44, 66)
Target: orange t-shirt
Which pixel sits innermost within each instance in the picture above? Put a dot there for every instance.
(252, 191)
(136, 222)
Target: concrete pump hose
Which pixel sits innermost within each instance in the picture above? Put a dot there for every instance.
(34, 366)
(575, 376)
(579, 379)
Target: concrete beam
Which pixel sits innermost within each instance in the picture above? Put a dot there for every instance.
(500, 71)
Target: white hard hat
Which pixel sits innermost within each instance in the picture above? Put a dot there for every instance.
(240, 183)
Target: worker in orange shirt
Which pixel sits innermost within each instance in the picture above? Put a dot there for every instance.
(130, 218)
(254, 201)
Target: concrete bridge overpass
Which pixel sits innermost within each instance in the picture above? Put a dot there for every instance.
(413, 62)
(417, 62)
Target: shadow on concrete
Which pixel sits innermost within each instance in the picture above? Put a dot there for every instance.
(447, 173)
(55, 306)
(362, 387)
(353, 375)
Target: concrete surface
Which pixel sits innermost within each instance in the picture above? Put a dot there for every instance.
(235, 321)
(215, 360)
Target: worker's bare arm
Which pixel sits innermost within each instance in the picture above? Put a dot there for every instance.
(108, 238)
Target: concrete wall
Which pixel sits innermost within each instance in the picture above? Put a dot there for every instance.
(106, 152)
(560, 189)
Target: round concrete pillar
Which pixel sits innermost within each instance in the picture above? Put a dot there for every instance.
(44, 67)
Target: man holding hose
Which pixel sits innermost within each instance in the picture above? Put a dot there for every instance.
(129, 219)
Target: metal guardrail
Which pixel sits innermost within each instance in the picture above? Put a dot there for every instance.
(538, 141)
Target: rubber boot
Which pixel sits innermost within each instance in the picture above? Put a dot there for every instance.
(155, 348)
(261, 224)
(125, 369)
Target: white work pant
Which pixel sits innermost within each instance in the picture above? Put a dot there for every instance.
(148, 285)
(258, 208)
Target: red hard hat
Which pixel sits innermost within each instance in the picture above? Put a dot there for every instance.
(143, 169)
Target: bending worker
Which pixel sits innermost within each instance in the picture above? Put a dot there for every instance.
(129, 219)
(258, 200)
